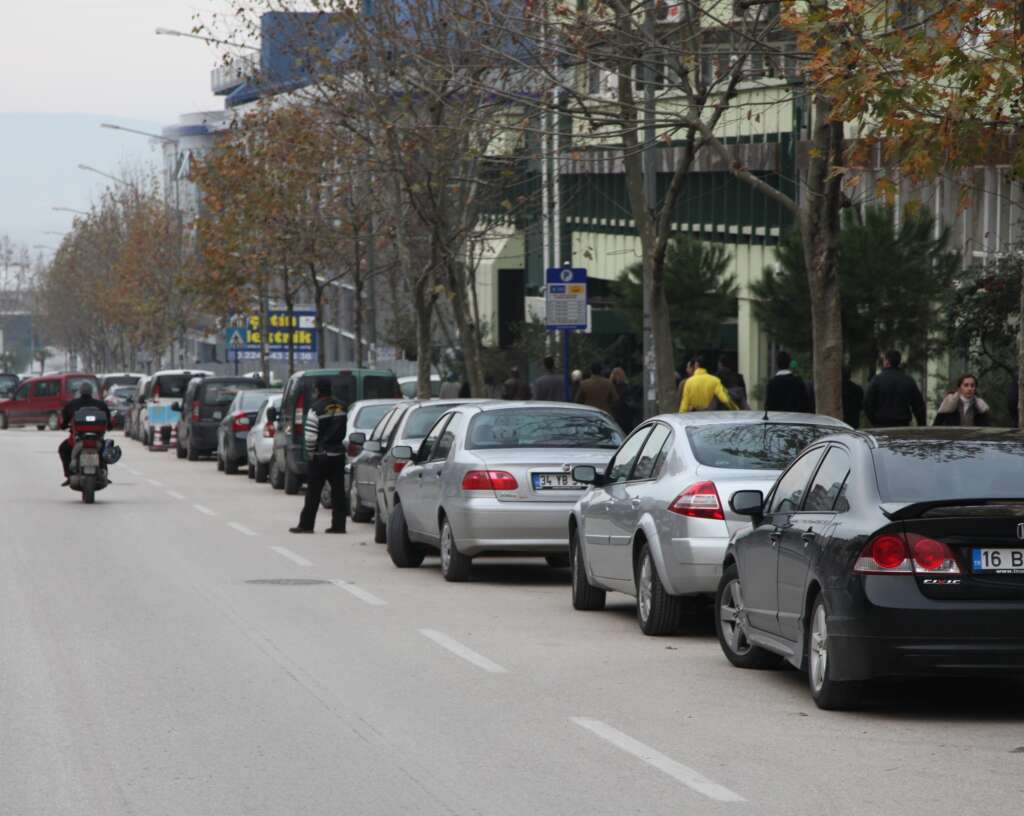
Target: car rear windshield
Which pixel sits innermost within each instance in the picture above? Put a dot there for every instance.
(752, 446)
(215, 393)
(542, 428)
(368, 416)
(936, 470)
(8, 382)
(171, 386)
(253, 400)
(420, 419)
(74, 383)
(378, 386)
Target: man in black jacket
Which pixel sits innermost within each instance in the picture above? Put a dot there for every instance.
(85, 399)
(549, 386)
(786, 391)
(326, 423)
(893, 399)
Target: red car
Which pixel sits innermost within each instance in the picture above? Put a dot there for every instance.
(38, 400)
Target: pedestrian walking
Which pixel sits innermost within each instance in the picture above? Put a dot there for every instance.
(786, 391)
(733, 382)
(963, 406)
(624, 410)
(575, 380)
(324, 438)
(598, 391)
(549, 386)
(704, 392)
(893, 399)
(684, 373)
(515, 388)
(853, 400)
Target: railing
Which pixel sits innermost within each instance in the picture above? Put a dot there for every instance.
(228, 77)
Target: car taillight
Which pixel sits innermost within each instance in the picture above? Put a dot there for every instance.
(195, 411)
(489, 480)
(896, 554)
(156, 392)
(240, 422)
(297, 418)
(699, 500)
(398, 464)
(269, 429)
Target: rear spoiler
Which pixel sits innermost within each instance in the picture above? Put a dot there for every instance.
(896, 511)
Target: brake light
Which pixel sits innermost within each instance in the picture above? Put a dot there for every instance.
(269, 430)
(930, 555)
(489, 480)
(156, 391)
(195, 411)
(297, 418)
(894, 554)
(699, 500)
(240, 422)
(353, 449)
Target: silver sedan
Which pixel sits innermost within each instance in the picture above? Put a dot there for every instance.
(655, 524)
(495, 478)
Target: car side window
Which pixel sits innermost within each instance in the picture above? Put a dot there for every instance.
(388, 434)
(48, 388)
(378, 430)
(622, 463)
(447, 439)
(433, 435)
(789, 491)
(653, 454)
(22, 392)
(828, 490)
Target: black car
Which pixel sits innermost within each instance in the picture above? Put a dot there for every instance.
(235, 426)
(8, 385)
(202, 408)
(883, 554)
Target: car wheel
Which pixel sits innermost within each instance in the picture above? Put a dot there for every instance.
(827, 693)
(40, 427)
(380, 529)
(356, 510)
(53, 422)
(403, 550)
(260, 472)
(731, 626)
(3, 421)
(585, 596)
(230, 465)
(193, 454)
(276, 477)
(454, 565)
(220, 462)
(658, 612)
(179, 450)
(559, 561)
(292, 483)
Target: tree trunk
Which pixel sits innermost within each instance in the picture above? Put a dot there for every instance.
(423, 307)
(318, 305)
(357, 308)
(264, 327)
(469, 332)
(1020, 353)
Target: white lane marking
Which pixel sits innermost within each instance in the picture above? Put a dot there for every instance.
(206, 511)
(467, 654)
(362, 594)
(155, 483)
(234, 525)
(174, 494)
(291, 556)
(133, 471)
(681, 773)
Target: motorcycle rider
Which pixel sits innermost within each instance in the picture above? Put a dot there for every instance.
(85, 399)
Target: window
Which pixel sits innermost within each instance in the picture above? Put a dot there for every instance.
(427, 448)
(47, 388)
(378, 387)
(543, 428)
(622, 463)
(914, 470)
(22, 392)
(447, 439)
(752, 445)
(7, 385)
(172, 386)
(74, 383)
(653, 454)
(368, 416)
(828, 490)
(387, 433)
(790, 488)
(421, 419)
(378, 429)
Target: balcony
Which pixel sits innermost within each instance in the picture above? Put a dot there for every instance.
(227, 78)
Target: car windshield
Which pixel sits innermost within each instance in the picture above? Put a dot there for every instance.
(914, 470)
(420, 419)
(171, 386)
(543, 428)
(74, 383)
(752, 446)
(377, 386)
(368, 416)
(8, 383)
(121, 392)
(253, 400)
(215, 393)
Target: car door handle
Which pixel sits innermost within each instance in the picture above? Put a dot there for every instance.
(807, 537)
(439, 474)
(635, 503)
(773, 539)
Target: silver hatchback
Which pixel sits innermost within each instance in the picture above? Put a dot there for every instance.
(495, 478)
(655, 524)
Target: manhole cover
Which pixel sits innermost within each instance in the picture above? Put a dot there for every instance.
(288, 581)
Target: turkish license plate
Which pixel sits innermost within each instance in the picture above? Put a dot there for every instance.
(555, 481)
(999, 561)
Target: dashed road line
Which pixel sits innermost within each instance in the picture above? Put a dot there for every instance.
(174, 494)
(206, 511)
(362, 594)
(133, 471)
(155, 483)
(681, 773)
(234, 525)
(292, 556)
(463, 651)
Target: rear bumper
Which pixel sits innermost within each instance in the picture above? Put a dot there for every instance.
(203, 437)
(234, 447)
(486, 525)
(693, 566)
(263, 451)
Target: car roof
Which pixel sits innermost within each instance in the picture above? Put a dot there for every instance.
(500, 405)
(751, 418)
(331, 372)
(892, 437)
(194, 372)
(414, 377)
(368, 402)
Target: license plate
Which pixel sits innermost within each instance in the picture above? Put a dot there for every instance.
(1004, 561)
(90, 459)
(555, 481)
(218, 414)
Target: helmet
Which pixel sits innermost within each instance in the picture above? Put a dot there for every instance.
(111, 453)
(85, 389)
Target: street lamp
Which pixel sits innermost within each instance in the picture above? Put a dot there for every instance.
(92, 169)
(171, 32)
(172, 174)
(70, 210)
(110, 126)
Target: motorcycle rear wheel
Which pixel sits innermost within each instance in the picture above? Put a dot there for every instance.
(88, 489)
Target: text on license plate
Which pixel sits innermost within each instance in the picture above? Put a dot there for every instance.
(555, 481)
(986, 560)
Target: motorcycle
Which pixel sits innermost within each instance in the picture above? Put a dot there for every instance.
(91, 453)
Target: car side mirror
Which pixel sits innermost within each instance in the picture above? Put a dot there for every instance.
(587, 474)
(373, 446)
(176, 406)
(356, 438)
(403, 453)
(271, 414)
(748, 503)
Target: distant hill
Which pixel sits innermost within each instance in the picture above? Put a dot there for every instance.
(39, 158)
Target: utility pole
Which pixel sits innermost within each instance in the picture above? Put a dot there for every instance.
(650, 165)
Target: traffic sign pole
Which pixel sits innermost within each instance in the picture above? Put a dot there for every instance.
(565, 310)
(566, 365)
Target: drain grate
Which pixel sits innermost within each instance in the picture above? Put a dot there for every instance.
(288, 581)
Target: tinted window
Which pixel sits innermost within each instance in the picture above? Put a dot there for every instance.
(828, 490)
(408, 389)
(22, 392)
(752, 446)
(252, 400)
(444, 445)
(74, 383)
(377, 386)
(932, 470)
(622, 463)
(47, 388)
(122, 391)
(543, 428)
(427, 448)
(8, 383)
(215, 393)
(653, 454)
(172, 386)
(420, 419)
(385, 424)
(368, 416)
(790, 489)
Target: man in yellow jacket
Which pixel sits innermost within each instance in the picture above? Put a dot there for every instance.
(702, 389)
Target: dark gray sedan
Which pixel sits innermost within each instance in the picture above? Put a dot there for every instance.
(233, 430)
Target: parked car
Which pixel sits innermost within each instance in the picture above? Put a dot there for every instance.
(362, 418)
(656, 523)
(136, 402)
(233, 430)
(495, 477)
(288, 467)
(38, 400)
(108, 381)
(408, 386)
(118, 401)
(203, 405)
(888, 553)
(162, 408)
(8, 384)
(259, 442)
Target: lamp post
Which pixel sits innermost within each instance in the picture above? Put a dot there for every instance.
(171, 32)
(70, 210)
(91, 169)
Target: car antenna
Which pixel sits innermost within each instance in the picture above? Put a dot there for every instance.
(765, 417)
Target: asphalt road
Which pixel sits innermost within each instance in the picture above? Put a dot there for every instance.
(151, 662)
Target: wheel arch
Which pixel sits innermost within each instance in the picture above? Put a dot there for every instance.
(647, 533)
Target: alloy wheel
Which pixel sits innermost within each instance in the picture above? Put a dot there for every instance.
(734, 618)
(818, 648)
(645, 588)
(446, 549)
